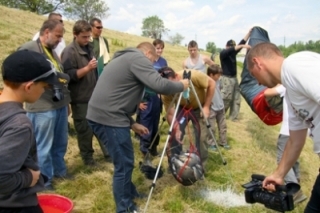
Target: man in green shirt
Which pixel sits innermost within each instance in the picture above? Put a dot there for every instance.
(101, 46)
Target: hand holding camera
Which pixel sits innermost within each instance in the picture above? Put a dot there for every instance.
(279, 200)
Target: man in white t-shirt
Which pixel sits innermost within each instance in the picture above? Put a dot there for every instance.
(299, 74)
(293, 176)
(59, 48)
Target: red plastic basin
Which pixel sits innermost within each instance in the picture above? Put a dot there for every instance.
(53, 203)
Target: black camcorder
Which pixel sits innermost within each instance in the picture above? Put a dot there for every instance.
(280, 200)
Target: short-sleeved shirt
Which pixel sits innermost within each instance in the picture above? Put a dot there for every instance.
(300, 76)
(200, 83)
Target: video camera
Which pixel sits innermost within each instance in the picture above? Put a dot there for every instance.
(281, 200)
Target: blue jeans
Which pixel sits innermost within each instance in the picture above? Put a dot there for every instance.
(51, 133)
(150, 118)
(119, 144)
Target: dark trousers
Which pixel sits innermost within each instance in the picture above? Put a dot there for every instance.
(119, 144)
(31, 209)
(150, 118)
(84, 132)
(313, 205)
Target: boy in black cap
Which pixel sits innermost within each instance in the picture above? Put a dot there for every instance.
(25, 75)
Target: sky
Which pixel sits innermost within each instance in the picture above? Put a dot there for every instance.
(218, 21)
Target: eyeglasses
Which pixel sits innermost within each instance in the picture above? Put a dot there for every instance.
(99, 27)
(47, 74)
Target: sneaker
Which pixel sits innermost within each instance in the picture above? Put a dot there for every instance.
(298, 197)
(225, 146)
(212, 148)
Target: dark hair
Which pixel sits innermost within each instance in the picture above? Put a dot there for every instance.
(50, 24)
(214, 69)
(167, 72)
(81, 26)
(54, 14)
(94, 20)
(192, 43)
(265, 50)
(158, 41)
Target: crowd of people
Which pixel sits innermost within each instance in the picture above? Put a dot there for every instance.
(55, 80)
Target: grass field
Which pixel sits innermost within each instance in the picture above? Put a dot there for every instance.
(253, 145)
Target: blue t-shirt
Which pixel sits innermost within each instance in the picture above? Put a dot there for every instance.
(157, 65)
(161, 62)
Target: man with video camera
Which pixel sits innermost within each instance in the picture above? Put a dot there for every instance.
(49, 115)
(299, 74)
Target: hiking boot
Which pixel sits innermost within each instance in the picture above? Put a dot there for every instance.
(212, 148)
(225, 146)
(298, 197)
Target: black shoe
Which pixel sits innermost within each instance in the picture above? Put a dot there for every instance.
(49, 188)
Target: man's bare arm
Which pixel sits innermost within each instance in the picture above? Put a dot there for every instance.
(207, 60)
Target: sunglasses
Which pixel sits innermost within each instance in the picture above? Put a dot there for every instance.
(61, 21)
(99, 27)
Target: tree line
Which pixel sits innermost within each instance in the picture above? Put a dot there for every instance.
(300, 46)
(73, 9)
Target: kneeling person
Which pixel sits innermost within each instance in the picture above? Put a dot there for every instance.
(204, 87)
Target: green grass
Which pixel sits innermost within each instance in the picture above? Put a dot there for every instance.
(253, 145)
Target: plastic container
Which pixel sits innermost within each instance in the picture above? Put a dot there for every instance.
(53, 203)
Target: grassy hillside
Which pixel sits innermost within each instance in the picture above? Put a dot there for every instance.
(253, 145)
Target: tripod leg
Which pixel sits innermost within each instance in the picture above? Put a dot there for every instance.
(147, 157)
(207, 122)
(163, 152)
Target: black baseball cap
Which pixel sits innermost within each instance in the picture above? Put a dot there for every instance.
(231, 43)
(25, 65)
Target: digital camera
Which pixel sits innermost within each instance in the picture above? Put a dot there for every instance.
(57, 93)
(280, 200)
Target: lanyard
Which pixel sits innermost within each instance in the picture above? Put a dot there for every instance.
(51, 58)
(44, 50)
